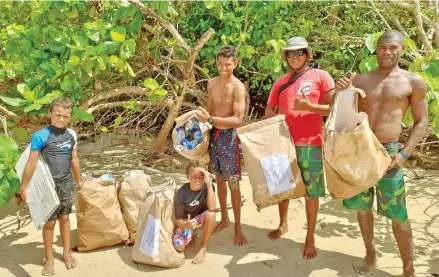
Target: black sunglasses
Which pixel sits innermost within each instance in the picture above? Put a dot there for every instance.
(296, 53)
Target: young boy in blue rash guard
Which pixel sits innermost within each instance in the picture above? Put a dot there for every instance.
(57, 144)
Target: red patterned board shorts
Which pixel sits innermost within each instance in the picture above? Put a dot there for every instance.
(184, 236)
(225, 155)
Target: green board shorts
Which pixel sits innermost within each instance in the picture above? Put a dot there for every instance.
(310, 160)
(390, 192)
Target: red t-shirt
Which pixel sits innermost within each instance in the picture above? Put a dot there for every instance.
(305, 127)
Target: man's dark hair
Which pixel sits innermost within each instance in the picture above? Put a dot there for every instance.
(392, 34)
(227, 52)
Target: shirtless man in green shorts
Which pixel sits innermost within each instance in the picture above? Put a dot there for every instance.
(390, 91)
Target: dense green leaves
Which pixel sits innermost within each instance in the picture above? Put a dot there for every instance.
(65, 46)
(9, 182)
(61, 48)
(80, 114)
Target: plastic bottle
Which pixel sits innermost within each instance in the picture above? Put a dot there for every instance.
(195, 143)
(189, 146)
(180, 136)
(184, 142)
(189, 125)
(198, 135)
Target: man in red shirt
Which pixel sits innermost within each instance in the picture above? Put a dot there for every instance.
(303, 95)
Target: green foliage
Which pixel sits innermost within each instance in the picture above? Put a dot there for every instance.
(157, 91)
(82, 115)
(59, 48)
(9, 182)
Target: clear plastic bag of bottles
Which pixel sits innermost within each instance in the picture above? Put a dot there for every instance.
(189, 135)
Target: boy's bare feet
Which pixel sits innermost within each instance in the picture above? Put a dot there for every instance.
(276, 234)
(69, 261)
(309, 252)
(240, 240)
(221, 225)
(201, 256)
(49, 268)
(410, 273)
(365, 265)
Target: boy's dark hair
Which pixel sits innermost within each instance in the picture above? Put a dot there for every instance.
(227, 52)
(194, 164)
(62, 102)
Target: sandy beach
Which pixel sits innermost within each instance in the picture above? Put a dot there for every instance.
(338, 240)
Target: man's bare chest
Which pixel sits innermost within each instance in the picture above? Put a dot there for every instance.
(386, 92)
(223, 96)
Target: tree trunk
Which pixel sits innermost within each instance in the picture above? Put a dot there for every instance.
(160, 144)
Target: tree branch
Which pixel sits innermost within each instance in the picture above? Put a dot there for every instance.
(8, 113)
(171, 29)
(419, 26)
(114, 93)
(415, 8)
(394, 19)
(436, 16)
(379, 14)
(194, 52)
(195, 66)
(120, 104)
(403, 5)
(189, 105)
(245, 25)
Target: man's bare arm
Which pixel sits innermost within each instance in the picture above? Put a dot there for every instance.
(234, 121)
(419, 106)
(75, 167)
(210, 98)
(270, 111)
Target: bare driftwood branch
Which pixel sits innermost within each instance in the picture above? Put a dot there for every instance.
(8, 113)
(171, 29)
(114, 93)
